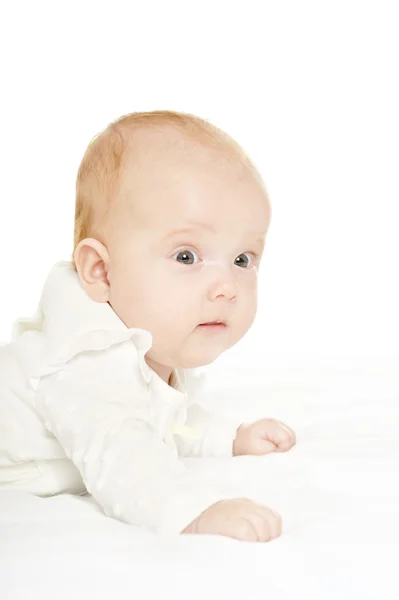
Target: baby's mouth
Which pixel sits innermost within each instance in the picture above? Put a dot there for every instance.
(212, 326)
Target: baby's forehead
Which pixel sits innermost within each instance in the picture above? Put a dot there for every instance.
(167, 154)
(168, 176)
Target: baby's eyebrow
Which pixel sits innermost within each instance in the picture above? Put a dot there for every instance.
(191, 226)
(261, 241)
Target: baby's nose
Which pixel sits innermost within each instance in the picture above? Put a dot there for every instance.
(224, 286)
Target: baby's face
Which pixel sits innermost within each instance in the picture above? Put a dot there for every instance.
(185, 251)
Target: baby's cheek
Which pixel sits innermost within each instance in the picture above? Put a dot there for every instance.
(245, 315)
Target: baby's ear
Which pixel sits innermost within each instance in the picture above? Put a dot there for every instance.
(91, 259)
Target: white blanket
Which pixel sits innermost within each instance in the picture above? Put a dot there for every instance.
(337, 491)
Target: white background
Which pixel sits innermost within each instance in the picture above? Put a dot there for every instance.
(310, 90)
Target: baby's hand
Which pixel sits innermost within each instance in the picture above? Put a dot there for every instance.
(262, 437)
(241, 519)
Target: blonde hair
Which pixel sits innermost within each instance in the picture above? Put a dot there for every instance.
(99, 174)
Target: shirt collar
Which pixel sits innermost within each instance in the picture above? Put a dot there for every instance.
(72, 322)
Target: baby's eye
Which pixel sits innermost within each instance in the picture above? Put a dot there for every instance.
(244, 260)
(186, 257)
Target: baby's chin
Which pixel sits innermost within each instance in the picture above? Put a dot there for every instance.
(200, 358)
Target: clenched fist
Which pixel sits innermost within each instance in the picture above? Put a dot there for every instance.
(262, 437)
(241, 519)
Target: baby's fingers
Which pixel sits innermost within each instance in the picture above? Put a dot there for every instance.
(284, 437)
(262, 446)
(269, 523)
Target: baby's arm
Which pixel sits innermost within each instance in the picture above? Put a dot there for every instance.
(223, 436)
(213, 433)
(124, 464)
(92, 406)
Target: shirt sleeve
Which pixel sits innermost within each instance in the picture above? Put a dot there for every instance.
(211, 435)
(102, 422)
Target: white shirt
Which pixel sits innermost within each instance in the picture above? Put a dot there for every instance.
(80, 410)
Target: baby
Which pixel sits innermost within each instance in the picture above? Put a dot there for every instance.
(99, 391)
